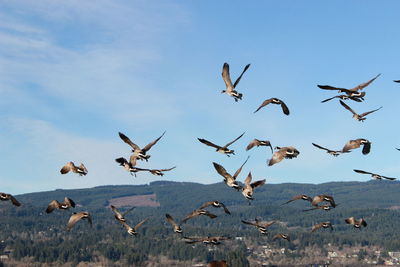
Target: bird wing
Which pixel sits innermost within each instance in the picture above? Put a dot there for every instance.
(352, 144)
(347, 107)
(126, 212)
(67, 167)
(316, 227)
(328, 99)
(208, 143)
(191, 215)
(73, 219)
(121, 160)
(132, 160)
(226, 76)
(294, 198)
(257, 183)
(363, 85)
(69, 202)
(350, 220)
(225, 208)
(366, 148)
(165, 170)
(369, 112)
(247, 181)
(328, 87)
(252, 144)
(54, 204)
(206, 204)
(149, 145)
(140, 224)
(240, 169)
(171, 220)
(128, 141)
(240, 77)
(389, 178)
(250, 223)
(276, 157)
(285, 109)
(237, 138)
(263, 104)
(363, 172)
(14, 201)
(83, 168)
(116, 212)
(320, 147)
(211, 215)
(221, 170)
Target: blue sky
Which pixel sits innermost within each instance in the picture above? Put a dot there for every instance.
(74, 73)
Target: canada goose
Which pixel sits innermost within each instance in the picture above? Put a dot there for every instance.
(221, 149)
(352, 91)
(375, 176)
(303, 197)
(160, 172)
(133, 230)
(248, 189)
(139, 153)
(359, 117)
(321, 225)
(5, 197)
(334, 153)
(358, 98)
(356, 223)
(258, 143)
(353, 144)
(229, 179)
(199, 212)
(217, 264)
(260, 225)
(322, 207)
(76, 216)
(275, 101)
(230, 89)
(128, 166)
(211, 240)
(68, 203)
(281, 236)
(321, 198)
(216, 204)
(283, 153)
(70, 166)
(118, 215)
(177, 228)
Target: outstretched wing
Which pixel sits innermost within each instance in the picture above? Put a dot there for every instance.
(252, 144)
(237, 138)
(320, 147)
(149, 145)
(363, 85)
(257, 183)
(128, 141)
(140, 224)
(347, 107)
(54, 204)
(369, 112)
(240, 169)
(171, 220)
(165, 170)
(67, 167)
(208, 143)
(226, 76)
(240, 77)
(363, 172)
(285, 109)
(266, 102)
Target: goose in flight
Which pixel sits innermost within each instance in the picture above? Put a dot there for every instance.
(321, 198)
(356, 116)
(356, 223)
(359, 98)
(70, 166)
(248, 188)
(258, 143)
(321, 225)
(118, 215)
(160, 172)
(76, 216)
(351, 92)
(260, 225)
(288, 152)
(281, 236)
(353, 144)
(6, 197)
(275, 101)
(229, 179)
(221, 149)
(199, 212)
(230, 89)
(375, 176)
(68, 203)
(215, 204)
(139, 153)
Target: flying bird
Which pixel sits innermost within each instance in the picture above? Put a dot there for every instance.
(353, 144)
(248, 188)
(118, 215)
(323, 198)
(68, 203)
(358, 98)
(298, 197)
(334, 153)
(70, 166)
(76, 216)
(221, 149)
(177, 228)
(213, 240)
(275, 101)
(139, 153)
(230, 89)
(258, 143)
(283, 153)
(356, 223)
(215, 204)
(375, 176)
(260, 225)
(133, 230)
(229, 179)
(351, 92)
(199, 212)
(5, 197)
(321, 225)
(359, 117)
(160, 172)
(128, 165)
(281, 236)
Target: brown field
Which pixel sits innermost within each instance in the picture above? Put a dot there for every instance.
(136, 200)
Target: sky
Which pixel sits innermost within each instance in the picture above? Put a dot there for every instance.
(75, 73)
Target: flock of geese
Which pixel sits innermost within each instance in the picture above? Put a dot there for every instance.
(321, 202)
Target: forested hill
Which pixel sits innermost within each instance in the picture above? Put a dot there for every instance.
(372, 194)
